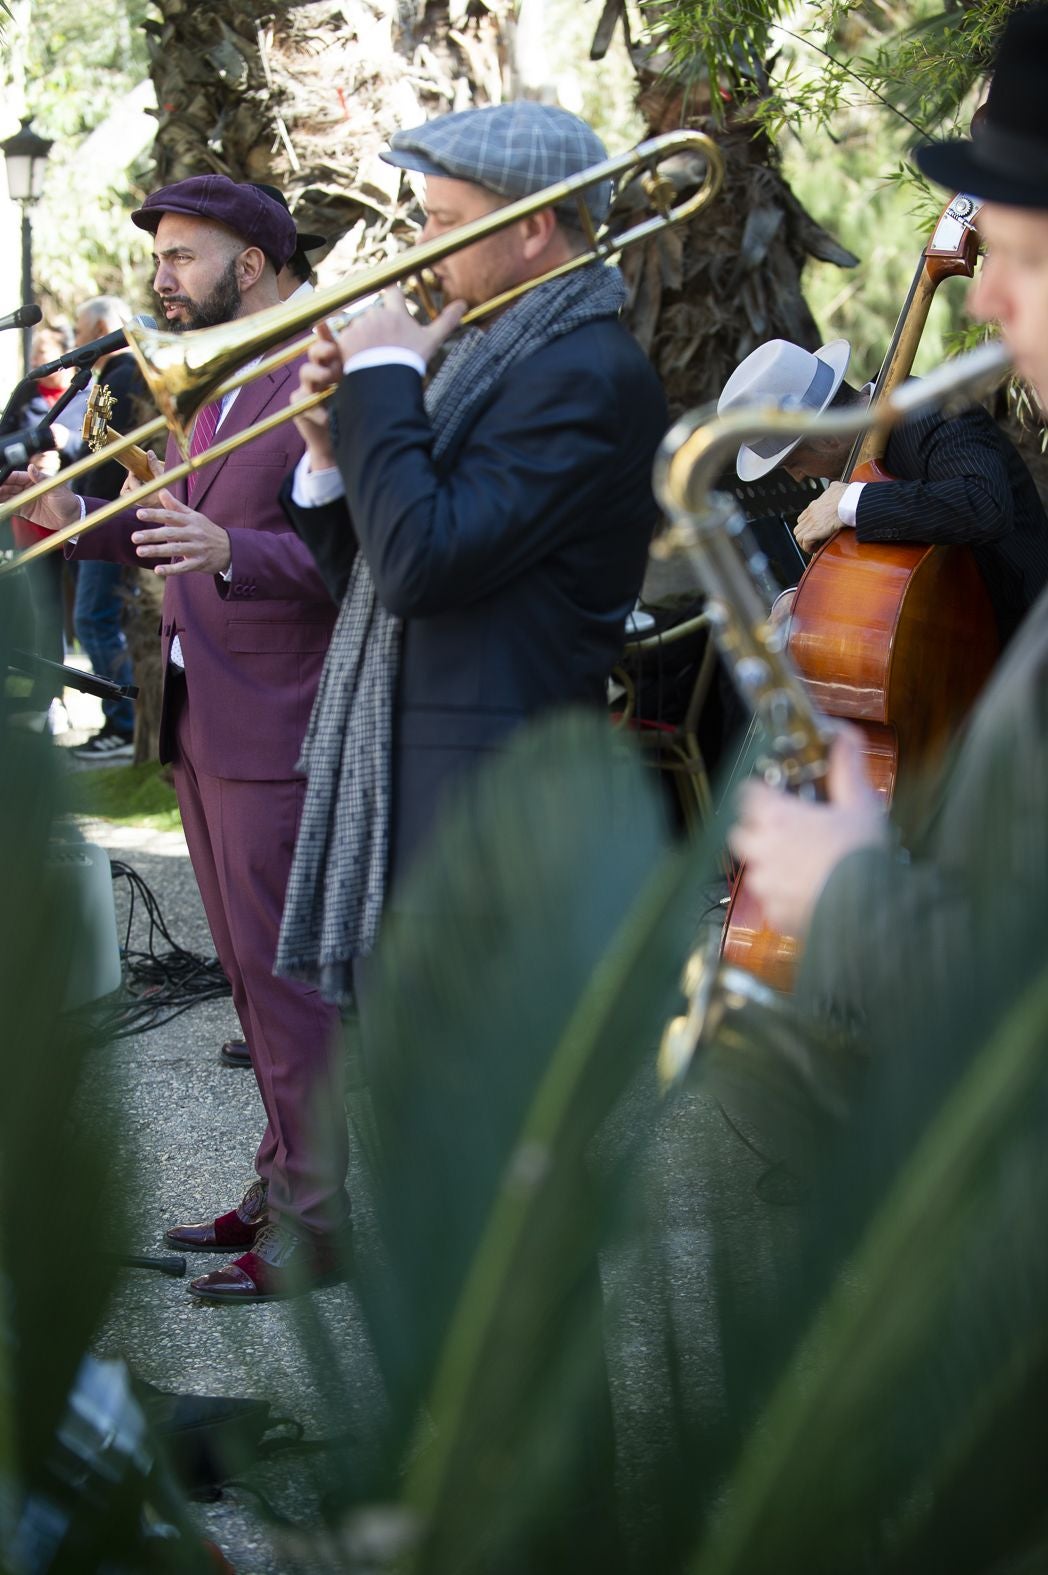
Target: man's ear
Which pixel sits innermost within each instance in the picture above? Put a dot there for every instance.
(251, 264)
(538, 230)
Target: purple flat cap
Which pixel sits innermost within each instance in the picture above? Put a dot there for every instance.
(246, 210)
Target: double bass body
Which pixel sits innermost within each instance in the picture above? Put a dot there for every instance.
(898, 639)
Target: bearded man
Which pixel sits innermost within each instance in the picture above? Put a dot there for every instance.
(246, 623)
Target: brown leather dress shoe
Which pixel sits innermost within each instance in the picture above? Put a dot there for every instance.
(238, 1228)
(283, 1263)
(235, 1053)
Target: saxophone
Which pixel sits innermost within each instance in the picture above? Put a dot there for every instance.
(708, 530)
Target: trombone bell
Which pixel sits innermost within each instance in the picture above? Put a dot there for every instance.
(182, 373)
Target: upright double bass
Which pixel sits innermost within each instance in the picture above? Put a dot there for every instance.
(896, 638)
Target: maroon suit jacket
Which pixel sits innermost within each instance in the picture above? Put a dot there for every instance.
(253, 647)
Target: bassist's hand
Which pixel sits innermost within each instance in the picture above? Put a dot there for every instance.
(820, 519)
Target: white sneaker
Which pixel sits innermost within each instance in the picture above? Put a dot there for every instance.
(57, 718)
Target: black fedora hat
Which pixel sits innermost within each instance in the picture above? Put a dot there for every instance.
(307, 241)
(1006, 160)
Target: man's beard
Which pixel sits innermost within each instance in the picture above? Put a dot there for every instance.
(221, 305)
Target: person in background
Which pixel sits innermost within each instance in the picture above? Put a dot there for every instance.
(98, 610)
(49, 579)
(298, 277)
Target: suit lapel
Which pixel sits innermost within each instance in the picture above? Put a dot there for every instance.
(252, 401)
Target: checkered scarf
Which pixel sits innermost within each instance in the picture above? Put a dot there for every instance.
(336, 888)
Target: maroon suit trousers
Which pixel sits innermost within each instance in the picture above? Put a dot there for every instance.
(241, 836)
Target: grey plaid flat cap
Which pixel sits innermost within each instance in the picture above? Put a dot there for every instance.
(513, 150)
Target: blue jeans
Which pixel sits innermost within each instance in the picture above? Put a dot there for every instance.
(97, 614)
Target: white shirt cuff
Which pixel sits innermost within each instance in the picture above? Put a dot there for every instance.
(849, 503)
(83, 510)
(385, 355)
(311, 488)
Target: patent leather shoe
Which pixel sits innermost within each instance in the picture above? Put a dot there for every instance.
(238, 1228)
(235, 1053)
(282, 1263)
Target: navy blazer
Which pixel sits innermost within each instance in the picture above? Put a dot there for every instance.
(513, 560)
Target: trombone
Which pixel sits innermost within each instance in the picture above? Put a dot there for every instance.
(185, 371)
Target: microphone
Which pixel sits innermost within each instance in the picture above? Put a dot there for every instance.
(17, 448)
(25, 317)
(86, 355)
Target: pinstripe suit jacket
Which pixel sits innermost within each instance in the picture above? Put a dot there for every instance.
(961, 483)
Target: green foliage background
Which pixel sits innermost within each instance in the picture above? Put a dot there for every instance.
(848, 88)
(843, 85)
(73, 66)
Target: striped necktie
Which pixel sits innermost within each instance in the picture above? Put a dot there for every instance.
(203, 436)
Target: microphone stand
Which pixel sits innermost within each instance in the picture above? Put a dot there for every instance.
(35, 373)
(72, 677)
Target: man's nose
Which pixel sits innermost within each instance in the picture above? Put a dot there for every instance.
(163, 279)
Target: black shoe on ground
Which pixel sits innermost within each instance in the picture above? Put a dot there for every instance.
(106, 745)
(234, 1053)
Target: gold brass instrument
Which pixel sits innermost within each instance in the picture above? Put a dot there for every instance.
(709, 530)
(185, 371)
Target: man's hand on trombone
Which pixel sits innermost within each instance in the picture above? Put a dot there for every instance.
(55, 509)
(385, 324)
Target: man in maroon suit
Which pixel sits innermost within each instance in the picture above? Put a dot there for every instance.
(246, 622)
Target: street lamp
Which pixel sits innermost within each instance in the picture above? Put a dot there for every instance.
(25, 155)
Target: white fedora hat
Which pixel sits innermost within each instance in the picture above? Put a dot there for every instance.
(782, 375)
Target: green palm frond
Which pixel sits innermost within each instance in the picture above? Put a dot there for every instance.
(61, 1206)
(816, 1465)
(522, 995)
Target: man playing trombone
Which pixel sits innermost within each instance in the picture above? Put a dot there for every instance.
(246, 622)
(485, 532)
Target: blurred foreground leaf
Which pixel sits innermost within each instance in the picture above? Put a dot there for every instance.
(71, 1499)
(815, 1467)
(519, 989)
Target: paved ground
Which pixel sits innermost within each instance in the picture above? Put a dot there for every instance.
(187, 1144)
